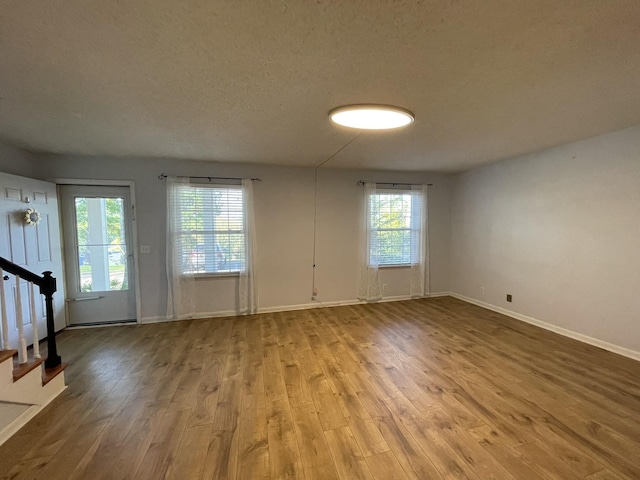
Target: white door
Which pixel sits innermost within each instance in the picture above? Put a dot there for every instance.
(34, 247)
(98, 254)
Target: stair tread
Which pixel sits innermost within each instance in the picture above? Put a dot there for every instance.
(50, 373)
(7, 354)
(24, 368)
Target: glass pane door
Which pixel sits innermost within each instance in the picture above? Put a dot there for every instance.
(98, 253)
(101, 246)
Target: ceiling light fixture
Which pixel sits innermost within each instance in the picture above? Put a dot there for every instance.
(371, 117)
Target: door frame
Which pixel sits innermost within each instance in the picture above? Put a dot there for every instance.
(134, 225)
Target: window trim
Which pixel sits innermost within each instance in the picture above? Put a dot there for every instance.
(389, 191)
(201, 275)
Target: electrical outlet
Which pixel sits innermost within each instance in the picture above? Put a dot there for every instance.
(384, 287)
(481, 290)
(315, 291)
(145, 249)
(509, 297)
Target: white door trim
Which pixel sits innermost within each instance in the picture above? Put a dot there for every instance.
(134, 220)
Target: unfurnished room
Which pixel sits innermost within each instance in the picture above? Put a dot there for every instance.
(320, 240)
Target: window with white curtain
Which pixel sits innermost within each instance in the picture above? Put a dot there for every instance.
(210, 233)
(395, 228)
(393, 221)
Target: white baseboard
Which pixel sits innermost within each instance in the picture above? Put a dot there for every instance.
(438, 294)
(321, 304)
(626, 352)
(145, 320)
(289, 308)
(99, 325)
(220, 313)
(19, 422)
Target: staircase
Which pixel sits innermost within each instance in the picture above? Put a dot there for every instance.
(25, 390)
(27, 381)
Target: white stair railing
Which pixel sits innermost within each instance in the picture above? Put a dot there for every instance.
(3, 314)
(4, 326)
(47, 287)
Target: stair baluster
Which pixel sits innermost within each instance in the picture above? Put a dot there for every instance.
(3, 313)
(48, 286)
(22, 342)
(34, 322)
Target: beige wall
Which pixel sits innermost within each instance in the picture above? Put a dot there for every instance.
(560, 231)
(16, 162)
(284, 211)
(339, 242)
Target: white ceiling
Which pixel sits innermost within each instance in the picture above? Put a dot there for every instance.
(253, 81)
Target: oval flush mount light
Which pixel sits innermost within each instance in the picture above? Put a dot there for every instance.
(371, 117)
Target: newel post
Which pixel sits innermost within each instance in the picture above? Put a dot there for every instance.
(48, 288)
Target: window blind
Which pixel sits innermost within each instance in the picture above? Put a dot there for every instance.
(211, 229)
(391, 221)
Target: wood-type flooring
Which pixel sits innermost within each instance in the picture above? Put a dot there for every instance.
(421, 389)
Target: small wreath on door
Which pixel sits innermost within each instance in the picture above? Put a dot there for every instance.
(32, 217)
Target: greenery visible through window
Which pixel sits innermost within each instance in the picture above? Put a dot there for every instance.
(211, 229)
(390, 235)
(101, 243)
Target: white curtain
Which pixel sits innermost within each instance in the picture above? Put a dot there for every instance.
(247, 294)
(369, 285)
(419, 242)
(180, 295)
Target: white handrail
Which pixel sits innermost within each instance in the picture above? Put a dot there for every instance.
(22, 350)
(3, 314)
(34, 322)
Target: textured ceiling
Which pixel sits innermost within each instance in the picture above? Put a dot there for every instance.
(253, 81)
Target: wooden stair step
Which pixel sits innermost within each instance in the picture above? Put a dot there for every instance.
(7, 354)
(24, 368)
(51, 373)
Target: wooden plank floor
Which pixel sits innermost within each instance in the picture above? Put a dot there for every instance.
(419, 389)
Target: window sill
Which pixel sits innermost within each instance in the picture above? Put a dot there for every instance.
(197, 276)
(402, 265)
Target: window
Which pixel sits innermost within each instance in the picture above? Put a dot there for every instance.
(210, 224)
(395, 226)
(101, 244)
(394, 222)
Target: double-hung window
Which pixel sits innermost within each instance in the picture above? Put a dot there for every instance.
(394, 227)
(210, 236)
